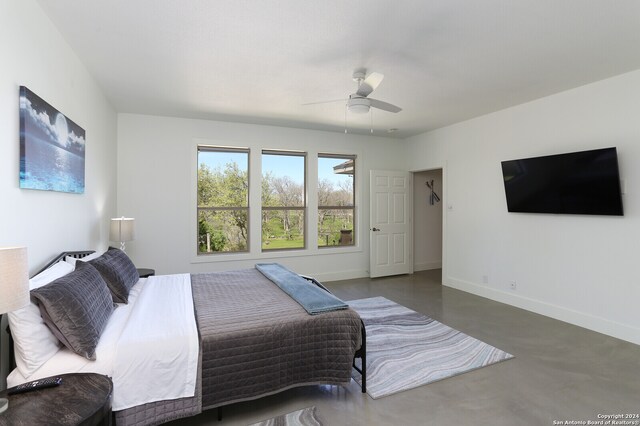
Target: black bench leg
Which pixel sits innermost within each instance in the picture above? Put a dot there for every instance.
(364, 359)
(362, 354)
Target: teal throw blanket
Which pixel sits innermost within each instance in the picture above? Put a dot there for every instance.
(311, 297)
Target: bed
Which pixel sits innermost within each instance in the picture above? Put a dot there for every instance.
(251, 339)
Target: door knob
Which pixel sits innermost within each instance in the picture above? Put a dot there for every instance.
(375, 229)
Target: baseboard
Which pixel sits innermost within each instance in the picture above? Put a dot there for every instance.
(436, 264)
(591, 322)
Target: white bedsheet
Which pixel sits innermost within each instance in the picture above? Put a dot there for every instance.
(149, 346)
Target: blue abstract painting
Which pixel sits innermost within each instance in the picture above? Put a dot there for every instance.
(52, 147)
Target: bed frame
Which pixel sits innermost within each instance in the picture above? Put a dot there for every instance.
(360, 353)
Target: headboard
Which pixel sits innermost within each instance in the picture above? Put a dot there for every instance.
(61, 256)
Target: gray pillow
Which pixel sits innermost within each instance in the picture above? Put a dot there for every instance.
(76, 308)
(119, 273)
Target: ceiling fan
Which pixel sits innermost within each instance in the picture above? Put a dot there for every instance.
(359, 102)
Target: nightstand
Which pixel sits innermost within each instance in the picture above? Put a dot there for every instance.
(146, 272)
(81, 399)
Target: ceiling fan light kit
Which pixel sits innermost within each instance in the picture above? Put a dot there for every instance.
(358, 105)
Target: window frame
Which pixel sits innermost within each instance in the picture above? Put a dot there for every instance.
(230, 149)
(302, 208)
(352, 207)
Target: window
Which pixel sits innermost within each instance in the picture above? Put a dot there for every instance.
(336, 200)
(283, 200)
(223, 199)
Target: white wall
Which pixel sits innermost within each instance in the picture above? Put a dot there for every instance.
(157, 184)
(580, 269)
(427, 221)
(34, 54)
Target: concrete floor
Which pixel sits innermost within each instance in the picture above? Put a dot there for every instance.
(560, 372)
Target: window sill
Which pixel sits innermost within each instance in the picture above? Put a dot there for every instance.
(280, 254)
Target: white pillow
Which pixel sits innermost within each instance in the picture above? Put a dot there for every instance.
(72, 260)
(34, 343)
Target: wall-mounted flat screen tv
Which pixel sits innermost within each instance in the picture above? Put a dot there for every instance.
(585, 182)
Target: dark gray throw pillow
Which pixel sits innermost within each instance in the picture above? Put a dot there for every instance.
(76, 308)
(118, 272)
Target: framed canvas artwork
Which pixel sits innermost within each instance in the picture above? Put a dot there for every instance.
(52, 147)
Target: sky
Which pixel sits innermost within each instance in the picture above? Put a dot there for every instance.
(278, 165)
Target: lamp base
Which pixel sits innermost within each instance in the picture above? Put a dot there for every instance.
(4, 404)
(122, 246)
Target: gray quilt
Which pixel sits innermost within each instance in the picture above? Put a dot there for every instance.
(256, 340)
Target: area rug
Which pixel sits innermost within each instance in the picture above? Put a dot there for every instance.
(406, 349)
(304, 417)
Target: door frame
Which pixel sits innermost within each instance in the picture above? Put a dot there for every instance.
(446, 208)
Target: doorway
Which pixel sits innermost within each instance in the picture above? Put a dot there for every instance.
(428, 219)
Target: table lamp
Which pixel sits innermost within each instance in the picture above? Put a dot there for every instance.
(14, 286)
(122, 230)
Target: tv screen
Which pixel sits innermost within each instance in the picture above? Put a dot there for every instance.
(586, 182)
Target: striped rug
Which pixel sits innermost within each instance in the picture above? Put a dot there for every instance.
(304, 417)
(406, 349)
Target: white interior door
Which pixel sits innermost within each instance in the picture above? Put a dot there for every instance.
(390, 225)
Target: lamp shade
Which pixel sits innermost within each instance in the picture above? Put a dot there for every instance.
(122, 229)
(14, 279)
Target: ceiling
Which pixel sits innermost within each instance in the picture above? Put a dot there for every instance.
(249, 61)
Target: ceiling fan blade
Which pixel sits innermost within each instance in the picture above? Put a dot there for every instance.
(325, 102)
(384, 105)
(369, 84)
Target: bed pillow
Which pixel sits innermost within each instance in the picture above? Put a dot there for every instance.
(34, 343)
(72, 260)
(76, 308)
(118, 271)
